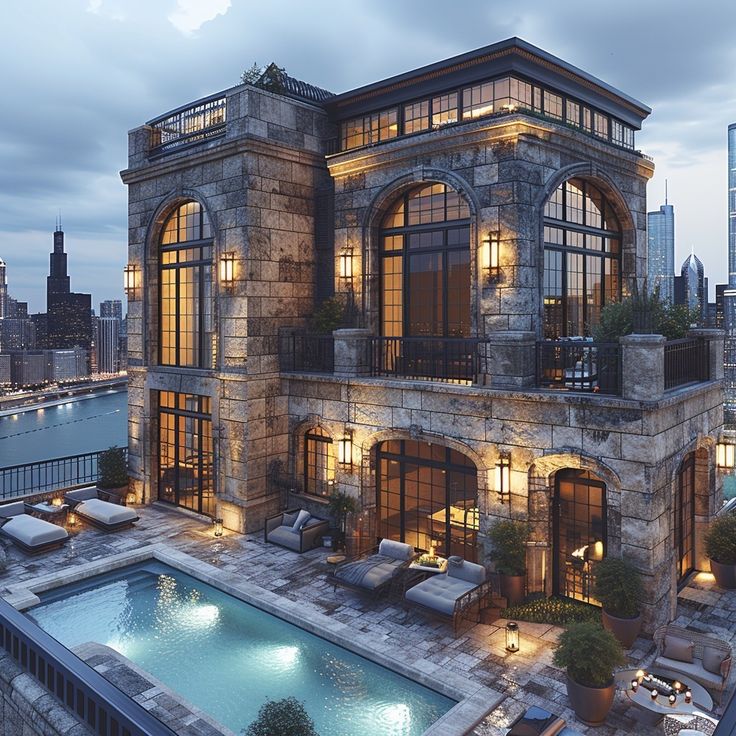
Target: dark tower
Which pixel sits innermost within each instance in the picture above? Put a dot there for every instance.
(57, 282)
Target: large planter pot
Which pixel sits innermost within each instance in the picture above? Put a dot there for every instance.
(512, 588)
(725, 575)
(591, 704)
(624, 629)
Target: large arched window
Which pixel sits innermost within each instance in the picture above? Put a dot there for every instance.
(186, 330)
(582, 259)
(425, 264)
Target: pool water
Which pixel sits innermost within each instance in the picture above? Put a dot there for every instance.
(227, 657)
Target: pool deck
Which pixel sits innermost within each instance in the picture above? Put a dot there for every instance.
(474, 666)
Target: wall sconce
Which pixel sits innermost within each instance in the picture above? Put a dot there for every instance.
(489, 255)
(227, 270)
(503, 475)
(346, 265)
(132, 282)
(345, 449)
(512, 637)
(595, 551)
(218, 527)
(725, 456)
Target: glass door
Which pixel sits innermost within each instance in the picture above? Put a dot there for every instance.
(684, 525)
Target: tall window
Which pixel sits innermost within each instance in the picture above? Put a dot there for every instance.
(186, 330)
(319, 463)
(582, 259)
(186, 465)
(425, 265)
(684, 522)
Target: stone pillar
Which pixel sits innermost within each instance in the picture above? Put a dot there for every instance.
(642, 367)
(351, 352)
(507, 358)
(715, 357)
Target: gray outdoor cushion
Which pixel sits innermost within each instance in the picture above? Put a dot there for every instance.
(33, 532)
(313, 521)
(378, 575)
(301, 519)
(106, 512)
(397, 550)
(439, 593)
(694, 669)
(468, 571)
(288, 519)
(13, 509)
(678, 648)
(82, 494)
(285, 536)
(713, 659)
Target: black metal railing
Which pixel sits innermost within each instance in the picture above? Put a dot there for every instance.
(427, 358)
(307, 353)
(686, 361)
(579, 365)
(96, 702)
(49, 475)
(187, 125)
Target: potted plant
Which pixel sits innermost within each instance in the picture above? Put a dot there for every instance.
(619, 589)
(589, 653)
(508, 540)
(340, 505)
(112, 471)
(720, 546)
(286, 717)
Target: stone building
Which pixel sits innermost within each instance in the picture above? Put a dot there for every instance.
(470, 219)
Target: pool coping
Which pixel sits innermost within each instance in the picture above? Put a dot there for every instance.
(474, 701)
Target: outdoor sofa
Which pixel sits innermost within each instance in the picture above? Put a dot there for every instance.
(28, 533)
(296, 529)
(374, 571)
(463, 586)
(89, 504)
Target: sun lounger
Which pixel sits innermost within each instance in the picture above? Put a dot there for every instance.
(105, 515)
(28, 533)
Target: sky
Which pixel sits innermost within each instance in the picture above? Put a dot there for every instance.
(78, 74)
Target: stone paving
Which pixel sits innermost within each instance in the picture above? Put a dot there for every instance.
(525, 678)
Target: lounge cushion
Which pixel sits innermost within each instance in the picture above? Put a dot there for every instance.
(33, 532)
(713, 659)
(285, 536)
(439, 593)
(698, 673)
(312, 521)
(288, 519)
(82, 494)
(464, 570)
(301, 519)
(12, 509)
(397, 550)
(106, 512)
(677, 648)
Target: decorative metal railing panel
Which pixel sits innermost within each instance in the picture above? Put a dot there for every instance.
(307, 353)
(579, 365)
(189, 125)
(686, 361)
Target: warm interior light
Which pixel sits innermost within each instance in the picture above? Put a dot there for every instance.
(227, 270)
(132, 281)
(345, 449)
(595, 551)
(503, 475)
(346, 265)
(725, 455)
(489, 256)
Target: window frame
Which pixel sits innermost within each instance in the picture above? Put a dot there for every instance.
(320, 436)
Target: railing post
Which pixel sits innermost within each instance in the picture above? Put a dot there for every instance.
(351, 352)
(716, 339)
(508, 358)
(642, 367)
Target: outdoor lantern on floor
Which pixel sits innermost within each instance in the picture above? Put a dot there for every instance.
(503, 475)
(227, 270)
(345, 449)
(512, 637)
(489, 255)
(130, 498)
(132, 282)
(71, 518)
(56, 501)
(725, 456)
(218, 527)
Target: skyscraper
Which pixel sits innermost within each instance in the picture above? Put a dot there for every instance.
(729, 295)
(107, 345)
(732, 205)
(112, 308)
(696, 296)
(3, 289)
(661, 251)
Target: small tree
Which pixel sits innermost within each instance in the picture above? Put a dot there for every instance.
(252, 75)
(720, 540)
(618, 587)
(112, 469)
(287, 717)
(328, 316)
(589, 653)
(340, 505)
(508, 541)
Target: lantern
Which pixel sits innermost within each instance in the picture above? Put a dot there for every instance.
(725, 456)
(227, 270)
(56, 502)
(489, 255)
(346, 265)
(130, 498)
(345, 449)
(71, 518)
(132, 281)
(218, 527)
(672, 699)
(512, 637)
(503, 475)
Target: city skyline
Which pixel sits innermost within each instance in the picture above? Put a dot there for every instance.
(97, 93)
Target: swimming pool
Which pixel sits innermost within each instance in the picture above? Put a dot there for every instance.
(227, 657)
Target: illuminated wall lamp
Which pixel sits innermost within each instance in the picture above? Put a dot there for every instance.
(725, 456)
(503, 475)
(489, 255)
(346, 265)
(132, 282)
(227, 270)
(345, 449)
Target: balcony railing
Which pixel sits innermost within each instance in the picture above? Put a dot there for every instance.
(579, 365)
(308, 353)
(427, 358)
(189, 125)
(686, 361)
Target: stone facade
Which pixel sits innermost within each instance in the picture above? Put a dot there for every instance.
(267, 183)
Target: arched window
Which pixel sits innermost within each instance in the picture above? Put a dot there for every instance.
(582, 259)
(425, 264)
(186, 330)
(684, 521)
(319, 463)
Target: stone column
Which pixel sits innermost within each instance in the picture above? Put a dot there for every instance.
(715, 357)
(507, 359)
(642, 367)
(351, 352)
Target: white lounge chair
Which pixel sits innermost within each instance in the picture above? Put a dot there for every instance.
(101, 513)
(28, 533)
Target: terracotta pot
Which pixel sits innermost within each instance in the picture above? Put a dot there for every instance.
(512, 588)
(725, 575)
(624, 629)
(591, 704)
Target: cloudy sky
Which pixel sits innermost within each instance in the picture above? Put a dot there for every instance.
(77, 74)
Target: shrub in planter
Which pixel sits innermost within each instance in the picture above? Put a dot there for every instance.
(508, 540)
(720, 546)
(590, 654)
(618, 588)
(112, 469)
(340, 505)
(286, 717)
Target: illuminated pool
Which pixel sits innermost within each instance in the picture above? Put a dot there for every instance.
(227, 657)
